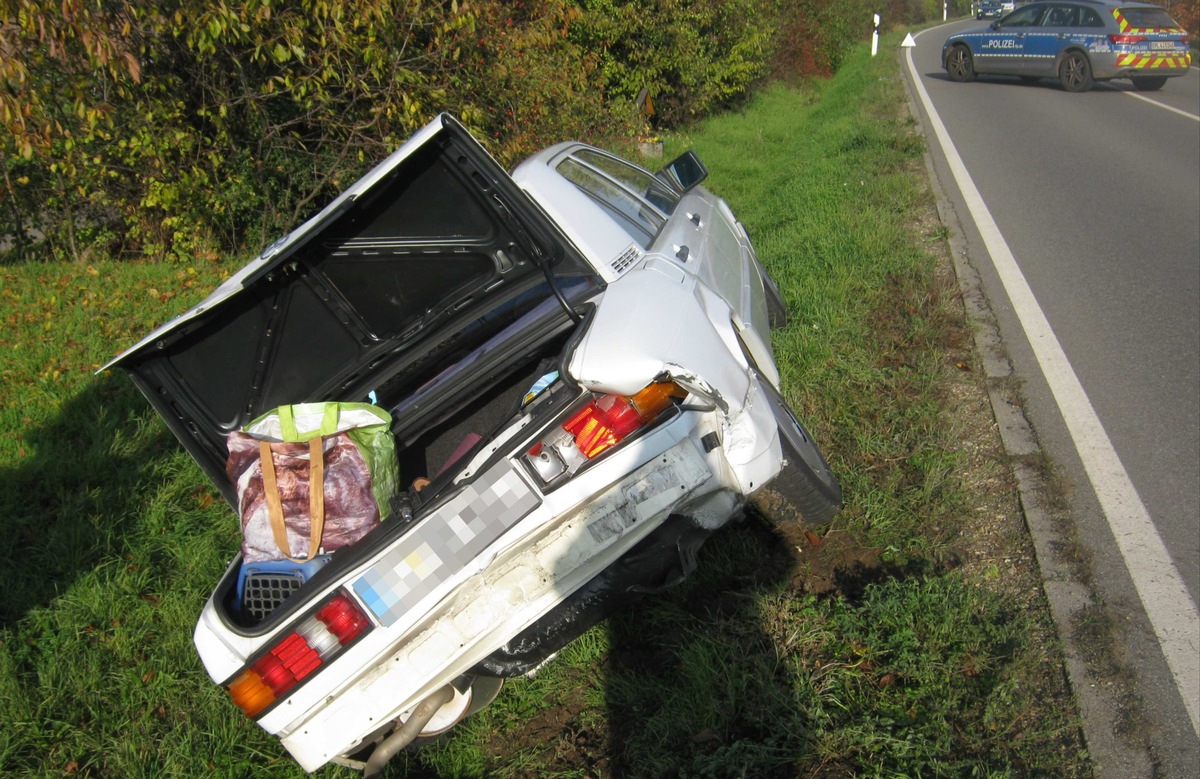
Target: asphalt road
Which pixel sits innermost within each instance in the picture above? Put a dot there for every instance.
(1097, 196)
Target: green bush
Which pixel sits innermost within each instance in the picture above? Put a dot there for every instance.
(191, 127)
(692, 55)
(199, 129)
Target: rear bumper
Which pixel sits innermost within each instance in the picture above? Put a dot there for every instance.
(1127, 64)
(557, 555)
(551, 544)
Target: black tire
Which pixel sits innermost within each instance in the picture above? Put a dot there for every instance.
(805, 485)
(1075, 72)
(1148, 83)
(960, 65)
(777, 310)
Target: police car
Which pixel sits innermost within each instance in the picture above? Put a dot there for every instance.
(1079, 42)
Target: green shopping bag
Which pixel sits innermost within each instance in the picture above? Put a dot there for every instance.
(312, 478)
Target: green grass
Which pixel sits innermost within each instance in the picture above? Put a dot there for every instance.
(922, 668)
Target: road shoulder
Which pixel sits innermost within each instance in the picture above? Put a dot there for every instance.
(1100, 688)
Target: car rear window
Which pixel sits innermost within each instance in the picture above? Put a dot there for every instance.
(1148, 18)
(635, 215)
(639, 201)
(636, 180)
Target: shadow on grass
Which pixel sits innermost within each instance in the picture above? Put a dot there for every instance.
(67, 505)
(691, 682)
(720, 702)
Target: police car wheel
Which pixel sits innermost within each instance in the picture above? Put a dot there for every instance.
(1075, 72)
(1148, 83)
(959, 64)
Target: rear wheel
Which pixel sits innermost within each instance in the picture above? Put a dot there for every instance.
(805, 485)
(777, 311)
(960, 65)
(1148, 83)
(1075, 72)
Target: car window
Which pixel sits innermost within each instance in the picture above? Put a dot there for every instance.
(1062, 16)
(636, 180)
(1024, 17)
(1089, 18)
(634, 215)
(1148, 18)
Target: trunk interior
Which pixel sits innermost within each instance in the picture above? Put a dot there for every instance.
(470, 401)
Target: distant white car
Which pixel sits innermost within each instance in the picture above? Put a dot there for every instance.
(577, 355)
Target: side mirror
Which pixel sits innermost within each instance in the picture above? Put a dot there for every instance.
(996, 25)
(683, 172)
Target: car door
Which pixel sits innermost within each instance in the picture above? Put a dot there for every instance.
(1059, 28)
(1003, 46)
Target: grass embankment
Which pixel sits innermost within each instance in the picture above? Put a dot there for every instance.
(911, 641)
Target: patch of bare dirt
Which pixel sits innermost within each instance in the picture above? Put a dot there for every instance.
(558, 736)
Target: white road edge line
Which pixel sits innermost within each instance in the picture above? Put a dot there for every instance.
(1163, 106)
(1166, 600)
(1172, 109)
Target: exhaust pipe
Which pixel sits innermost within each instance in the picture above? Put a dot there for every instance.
(408, 730)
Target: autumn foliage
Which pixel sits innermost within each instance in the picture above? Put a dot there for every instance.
(1187, 13)
(204, 128)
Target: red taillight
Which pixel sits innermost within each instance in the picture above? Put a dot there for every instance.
(1119, 40)
(602, 423)
(287, 663)
(344, 619)
(314, 642)
(610, 418)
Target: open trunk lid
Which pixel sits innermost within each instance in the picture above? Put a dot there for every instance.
(433, 247)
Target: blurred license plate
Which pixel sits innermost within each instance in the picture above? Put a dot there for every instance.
(1162, 45)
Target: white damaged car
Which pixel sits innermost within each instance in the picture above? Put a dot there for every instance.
(576, 355)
